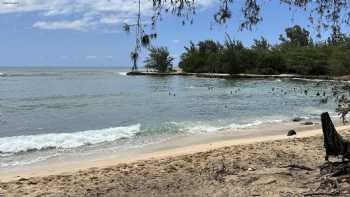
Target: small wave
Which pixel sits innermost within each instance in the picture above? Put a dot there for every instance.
(205, 128)
(26, 162)
(316, 80)
(19, 144)
(5, 154)
(3, 74)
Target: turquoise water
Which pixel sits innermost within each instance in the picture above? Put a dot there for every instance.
(45, 111)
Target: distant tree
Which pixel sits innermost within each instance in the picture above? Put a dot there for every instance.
(208, 46)
(201, 57)
(322, 15)
(271, 62)
(296, 36)
(297, 54)
(231, 57)
(339, 57)
(307, 61)
(261, 44)
(159, 59)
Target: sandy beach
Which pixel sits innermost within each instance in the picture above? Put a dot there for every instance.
(255, 166)
(174, 98)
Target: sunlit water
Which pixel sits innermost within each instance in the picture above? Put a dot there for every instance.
(45, 113)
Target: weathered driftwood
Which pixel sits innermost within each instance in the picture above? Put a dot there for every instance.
(335, 169)
(301, 167)
(334, 144)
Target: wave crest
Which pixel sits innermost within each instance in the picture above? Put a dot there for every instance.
(17, 144)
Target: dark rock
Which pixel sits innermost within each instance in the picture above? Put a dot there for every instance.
(324, 100)
(297, 119)
(308, 123)
(291, 132)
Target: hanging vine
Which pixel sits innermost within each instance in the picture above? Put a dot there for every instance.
(142, 39)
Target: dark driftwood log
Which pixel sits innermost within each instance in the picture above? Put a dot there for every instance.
(334, 144)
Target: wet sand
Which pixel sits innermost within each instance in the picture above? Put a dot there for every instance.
(254, 166)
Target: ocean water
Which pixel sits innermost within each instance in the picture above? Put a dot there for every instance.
(48, 112)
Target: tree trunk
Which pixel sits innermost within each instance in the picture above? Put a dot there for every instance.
(334, 144)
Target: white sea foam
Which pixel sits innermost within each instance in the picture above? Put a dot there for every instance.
(122, 73)
(26, 162)
(320, 80)
(206, 128)
(17, 144)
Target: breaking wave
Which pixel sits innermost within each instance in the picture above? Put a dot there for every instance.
(207, 128)
(17, 144)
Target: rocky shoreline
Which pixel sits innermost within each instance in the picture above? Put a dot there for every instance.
(243, 76)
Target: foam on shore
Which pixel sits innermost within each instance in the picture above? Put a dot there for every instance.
(17, 144)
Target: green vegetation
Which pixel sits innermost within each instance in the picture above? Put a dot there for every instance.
(322, 15)
(159, 59)
(295, 54)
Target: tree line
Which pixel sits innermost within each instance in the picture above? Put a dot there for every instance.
(296, 53)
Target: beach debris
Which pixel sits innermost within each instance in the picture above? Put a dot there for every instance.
(300, 167)
(219, 170)
(266, 181)
(297, 119)
(291, 132)
(329, 184)
(326, 185)
(22, 179)
(251, 169)
(335, 169)
(334, 144)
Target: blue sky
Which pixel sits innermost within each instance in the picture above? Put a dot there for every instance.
(88, 32)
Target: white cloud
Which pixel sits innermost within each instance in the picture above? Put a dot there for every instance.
(79, 25)
(81, 14)
(112, 19)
